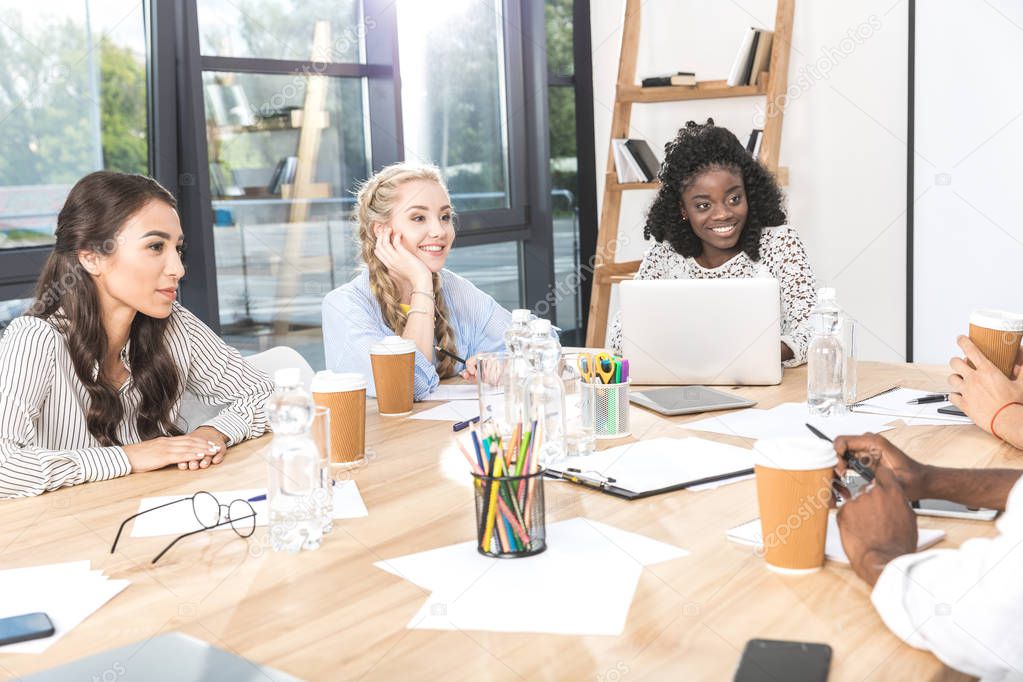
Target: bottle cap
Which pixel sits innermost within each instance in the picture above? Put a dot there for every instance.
(287, 376)
(521, 315)
(540, 327)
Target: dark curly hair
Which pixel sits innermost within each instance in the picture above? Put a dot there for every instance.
(698, 148)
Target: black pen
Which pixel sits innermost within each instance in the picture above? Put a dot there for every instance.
(935, 398)
(462, 425)
(856, 465)
(448, 353)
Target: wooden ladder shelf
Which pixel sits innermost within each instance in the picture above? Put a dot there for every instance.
(771, 84)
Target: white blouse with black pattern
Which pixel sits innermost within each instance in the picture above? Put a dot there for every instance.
(782, 256)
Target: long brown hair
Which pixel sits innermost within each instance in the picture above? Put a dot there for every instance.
(375, 204)
(95, 211)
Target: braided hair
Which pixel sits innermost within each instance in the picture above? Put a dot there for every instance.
(698, 148)
(375, 203)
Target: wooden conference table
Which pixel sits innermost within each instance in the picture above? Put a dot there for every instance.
(330, 614)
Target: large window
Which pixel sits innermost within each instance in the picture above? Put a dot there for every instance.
(263, 116)
(454, 107)
(287, 143)
(567, 202)
(73, 99)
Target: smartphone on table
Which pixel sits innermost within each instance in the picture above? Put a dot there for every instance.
(25, 627)
(771, 660)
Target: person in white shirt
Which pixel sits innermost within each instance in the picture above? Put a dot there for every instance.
(992, 400)
(718, 215)
(965, 605)
(91, 378)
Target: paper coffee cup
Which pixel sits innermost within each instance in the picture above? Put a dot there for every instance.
(794, 494)
(394, 363)
(345, 396)
(997, 334)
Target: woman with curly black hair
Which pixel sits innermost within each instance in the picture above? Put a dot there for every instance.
(718, 214)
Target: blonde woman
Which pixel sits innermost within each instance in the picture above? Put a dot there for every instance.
(405, 233)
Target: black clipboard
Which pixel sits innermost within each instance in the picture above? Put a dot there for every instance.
(610, 488)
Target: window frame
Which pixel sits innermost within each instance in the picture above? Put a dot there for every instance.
(178, 145)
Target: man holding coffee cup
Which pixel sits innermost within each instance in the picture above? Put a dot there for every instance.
(990, 395)
(965, 605)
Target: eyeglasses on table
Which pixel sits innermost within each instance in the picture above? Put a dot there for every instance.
(210, 514)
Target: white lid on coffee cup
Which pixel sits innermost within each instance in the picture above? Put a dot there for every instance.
(997, 319)
(337, 382)
(392, 345)
(794, 454)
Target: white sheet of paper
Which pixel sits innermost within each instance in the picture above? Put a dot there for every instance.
(751, 534)
(552, 592)
(68, 593)
(179, 518)
(662, 462)
(454, 411)
(788, 420)
(928, 421)
(454, 392)
(897, 403)
(714, 485)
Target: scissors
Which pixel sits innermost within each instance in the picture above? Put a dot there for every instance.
(586, 369)
(597, 365)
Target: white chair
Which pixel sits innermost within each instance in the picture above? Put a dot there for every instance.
(193, 413)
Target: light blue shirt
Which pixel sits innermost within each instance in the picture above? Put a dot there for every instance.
(353, 321)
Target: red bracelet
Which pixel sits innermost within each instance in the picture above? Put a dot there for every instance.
(995, 416)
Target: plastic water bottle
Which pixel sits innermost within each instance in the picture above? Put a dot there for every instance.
(518, 368)
(849, 344)
(296, 520)
(826, 358)
(545, 392)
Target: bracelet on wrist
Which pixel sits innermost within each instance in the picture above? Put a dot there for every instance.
(428, 294)
(991, 426)
(412, 311)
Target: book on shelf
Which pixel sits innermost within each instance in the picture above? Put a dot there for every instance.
(625, 166)
(683, 78)
(222, 183)
(645, 157)
(762, 56)
(753, 56)
(635, 161)
(284, 174)
(747, 70)
(756, 136)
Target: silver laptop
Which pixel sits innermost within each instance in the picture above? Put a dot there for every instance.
(170, 657)
(702, 331)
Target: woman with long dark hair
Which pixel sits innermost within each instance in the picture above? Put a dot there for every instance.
(91, 378)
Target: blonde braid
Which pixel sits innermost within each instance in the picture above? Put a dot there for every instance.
(375, 202)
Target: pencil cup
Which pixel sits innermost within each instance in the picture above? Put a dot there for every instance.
(510, 519)
(608, 406)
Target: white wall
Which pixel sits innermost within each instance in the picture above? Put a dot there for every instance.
(969, 136)
(843, 139)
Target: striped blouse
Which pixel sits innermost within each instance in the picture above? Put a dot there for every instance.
(353, 321)
(44, 441)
